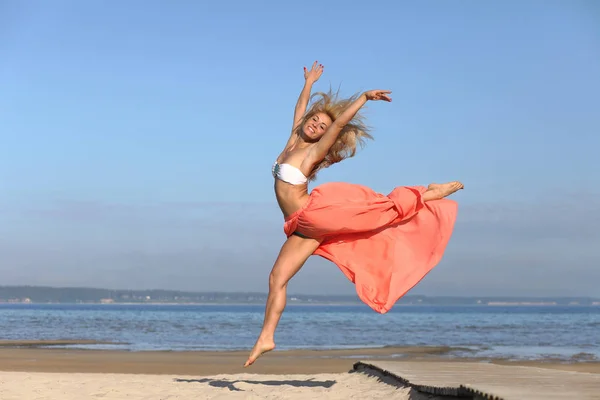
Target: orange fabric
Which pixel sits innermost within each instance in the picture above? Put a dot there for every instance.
(384, 244)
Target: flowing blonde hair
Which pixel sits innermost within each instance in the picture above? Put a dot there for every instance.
(352, 134)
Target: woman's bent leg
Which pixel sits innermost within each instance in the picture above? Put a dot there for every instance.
(292, 256)
(340, 208)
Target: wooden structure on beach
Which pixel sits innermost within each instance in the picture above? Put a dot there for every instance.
(485, 381)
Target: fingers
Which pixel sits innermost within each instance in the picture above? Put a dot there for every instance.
(315, 67)
(312, 68)
(384, 95)
(378, 94)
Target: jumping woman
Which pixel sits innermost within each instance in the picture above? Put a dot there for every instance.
(384, 244)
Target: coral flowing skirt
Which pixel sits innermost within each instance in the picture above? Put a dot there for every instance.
(384, 244)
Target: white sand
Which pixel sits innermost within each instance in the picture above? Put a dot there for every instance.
(80, 386)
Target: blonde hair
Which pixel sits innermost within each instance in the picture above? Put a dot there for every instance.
(352, 134)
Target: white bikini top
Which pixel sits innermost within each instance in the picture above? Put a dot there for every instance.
(288, 173)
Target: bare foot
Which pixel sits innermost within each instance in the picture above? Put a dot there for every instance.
(437, 191)
(261, 347)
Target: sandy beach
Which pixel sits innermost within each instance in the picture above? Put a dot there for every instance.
(52, 386)
(30, 372)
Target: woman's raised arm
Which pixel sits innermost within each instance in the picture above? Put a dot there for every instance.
(310, 77)
(321, 149)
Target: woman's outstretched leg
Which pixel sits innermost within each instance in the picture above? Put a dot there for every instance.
(292, 256)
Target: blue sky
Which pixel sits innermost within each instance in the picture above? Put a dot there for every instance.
(137, 137)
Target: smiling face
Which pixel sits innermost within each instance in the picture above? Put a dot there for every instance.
(315, 126)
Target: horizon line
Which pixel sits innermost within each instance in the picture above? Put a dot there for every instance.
(289, 295)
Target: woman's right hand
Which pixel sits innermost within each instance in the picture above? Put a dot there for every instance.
(314, 74)
(378, 95)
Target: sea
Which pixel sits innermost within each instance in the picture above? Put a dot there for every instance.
(559, 333)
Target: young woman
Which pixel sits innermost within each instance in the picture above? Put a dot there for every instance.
(385, 244)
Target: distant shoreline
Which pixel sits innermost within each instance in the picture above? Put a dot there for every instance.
(82, 295)
(493, 304)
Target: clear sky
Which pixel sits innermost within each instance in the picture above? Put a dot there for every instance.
(136, 138)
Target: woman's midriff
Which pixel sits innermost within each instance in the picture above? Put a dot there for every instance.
(290, 198)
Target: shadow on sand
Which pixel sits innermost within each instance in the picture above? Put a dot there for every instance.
(412, 394)
(224, 383)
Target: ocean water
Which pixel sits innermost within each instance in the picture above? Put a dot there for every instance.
(569, 333)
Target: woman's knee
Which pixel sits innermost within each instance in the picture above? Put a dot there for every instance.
(292, 257)
(277, 281)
